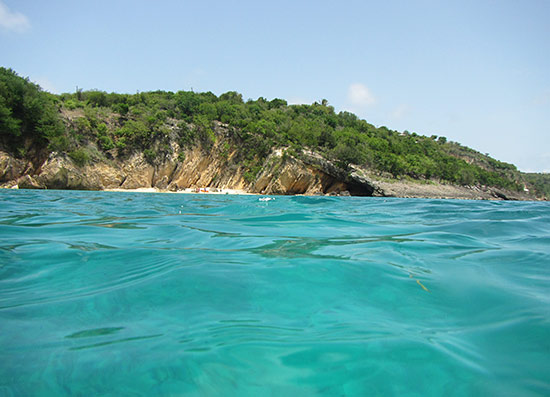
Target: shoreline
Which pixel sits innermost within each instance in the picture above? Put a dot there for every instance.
(206, 191)
(381, 188)
(397, 189)
(402, 190)
(280, 175)
(236, 192)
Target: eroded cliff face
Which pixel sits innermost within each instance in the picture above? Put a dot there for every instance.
(220, 166)
(12, 168)
(310, 175)
(206, 169)
(214, 168)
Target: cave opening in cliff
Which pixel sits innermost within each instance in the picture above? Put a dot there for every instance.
(360, 189)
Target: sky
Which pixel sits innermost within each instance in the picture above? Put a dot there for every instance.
(476, 72)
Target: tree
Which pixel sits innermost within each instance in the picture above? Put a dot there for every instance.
(346, 154)
(28, 115)
(187, 103)
(232, 96)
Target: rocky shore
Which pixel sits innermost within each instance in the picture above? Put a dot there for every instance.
(212, 172)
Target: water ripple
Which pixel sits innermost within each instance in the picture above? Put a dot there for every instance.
(229, 295)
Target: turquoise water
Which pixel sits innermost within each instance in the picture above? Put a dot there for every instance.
(108, 293)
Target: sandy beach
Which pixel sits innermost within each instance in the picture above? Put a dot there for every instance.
(188, 191)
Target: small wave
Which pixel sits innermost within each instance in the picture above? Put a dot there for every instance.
(94, 332)
(310, 295)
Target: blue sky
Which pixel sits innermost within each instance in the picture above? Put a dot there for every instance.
(477, 72)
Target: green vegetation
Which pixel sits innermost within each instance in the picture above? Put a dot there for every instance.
(120, 124)
(540, 183)
(28, 116)
(80, 156)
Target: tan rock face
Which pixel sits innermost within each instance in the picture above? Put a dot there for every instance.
(218, 167)
(109, 176)
(137, 173)
(200, 169)
(59, 172)
(162, 175)
(287, 175)
(207, 169)
(10, 167)
(280, 174)
(28, 182)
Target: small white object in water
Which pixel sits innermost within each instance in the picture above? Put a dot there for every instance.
(266, 198)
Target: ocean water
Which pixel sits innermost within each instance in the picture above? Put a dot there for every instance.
(109, 293)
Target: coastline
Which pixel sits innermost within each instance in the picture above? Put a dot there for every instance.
(396, 189)
(281, 175)
(209, 191)
(406, 189)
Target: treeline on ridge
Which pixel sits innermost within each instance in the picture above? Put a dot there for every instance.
(120, 124)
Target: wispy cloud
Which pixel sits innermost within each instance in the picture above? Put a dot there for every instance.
(13, 21)
(360, 96)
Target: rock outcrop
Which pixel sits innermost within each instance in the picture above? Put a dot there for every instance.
(220, 167)
(206, 169)
(11, 168)
(310, 175)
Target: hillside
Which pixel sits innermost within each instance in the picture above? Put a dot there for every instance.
(98, 140)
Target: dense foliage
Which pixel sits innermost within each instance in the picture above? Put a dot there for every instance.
(260, 125)
(28, 116)
(118, 124)
(540, 183)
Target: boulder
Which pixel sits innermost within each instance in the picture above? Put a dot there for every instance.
(10, 167)
(28, 182)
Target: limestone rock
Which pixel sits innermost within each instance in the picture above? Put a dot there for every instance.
(10, 167)
(207, 169)
(109, 176)
(310, 175)
(138, 173)
(59, 172)
(221, 166)
(28, 182)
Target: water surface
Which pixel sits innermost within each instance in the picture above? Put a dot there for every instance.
(109, 293)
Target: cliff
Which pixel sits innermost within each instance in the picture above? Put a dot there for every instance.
(173, 141)
(217, 167)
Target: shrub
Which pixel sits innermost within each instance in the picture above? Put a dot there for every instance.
(80, 156)
(58, 144)
(106, 142)
(71, 104)
(150, 155)
(345, 154)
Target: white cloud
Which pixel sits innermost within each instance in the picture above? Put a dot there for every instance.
(360, 96)
(14, 21)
